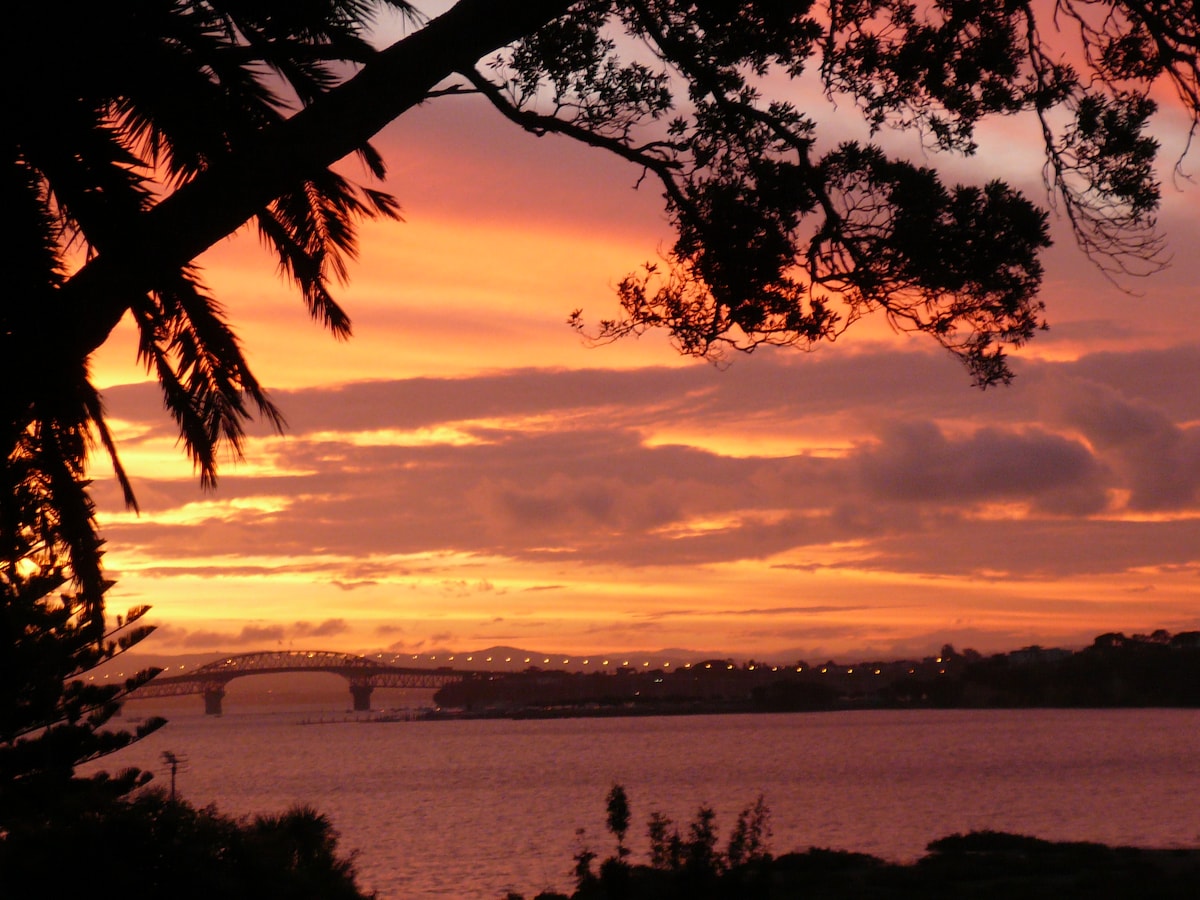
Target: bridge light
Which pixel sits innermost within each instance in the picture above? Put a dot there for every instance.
(585, 662)
(508, 659)
(666, 665)
(546, 660)
(489, 659)
(527, 659)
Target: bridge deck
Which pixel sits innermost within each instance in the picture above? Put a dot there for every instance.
(363, 673)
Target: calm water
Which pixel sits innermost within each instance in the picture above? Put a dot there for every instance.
(470, 809)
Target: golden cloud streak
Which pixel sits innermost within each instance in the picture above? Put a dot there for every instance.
(202, 512)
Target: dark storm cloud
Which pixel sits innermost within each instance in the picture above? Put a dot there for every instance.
(250, 635)
(1158, 458)
(353, 585)
(253, 636)
(1161, 378)
(1008, 550)
(774, 385)
(204, 570)
(915, 462)
(768, 611)
(587, 490)
(561, 468)
(326, 628)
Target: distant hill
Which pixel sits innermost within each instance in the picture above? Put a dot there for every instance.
(498, 659)
(1114, 670)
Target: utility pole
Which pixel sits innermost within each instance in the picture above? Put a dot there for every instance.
(175, 763)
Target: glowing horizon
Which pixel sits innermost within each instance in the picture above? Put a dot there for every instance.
(465, 472)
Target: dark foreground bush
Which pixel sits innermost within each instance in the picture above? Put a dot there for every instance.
(153, 848)
(690, 865)
(978, 866)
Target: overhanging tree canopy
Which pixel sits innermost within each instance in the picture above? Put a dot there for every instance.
(145, 137)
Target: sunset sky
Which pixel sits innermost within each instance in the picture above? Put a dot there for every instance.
(465, 472)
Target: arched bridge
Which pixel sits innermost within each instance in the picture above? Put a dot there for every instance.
(363, 673)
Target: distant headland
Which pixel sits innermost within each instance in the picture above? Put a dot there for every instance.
(1159, 669)
(1156, 669)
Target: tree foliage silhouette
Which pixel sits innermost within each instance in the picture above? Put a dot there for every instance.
(52, 716)
(146, 137)
(691, 867)
(183, 853)
(617, 817)
(127, 110)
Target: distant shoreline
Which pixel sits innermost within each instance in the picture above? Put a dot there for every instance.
(453, 715)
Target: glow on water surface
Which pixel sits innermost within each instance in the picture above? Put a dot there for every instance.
(475, 808)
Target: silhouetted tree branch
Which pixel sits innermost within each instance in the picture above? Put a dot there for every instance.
(234, 117)
(143, 139)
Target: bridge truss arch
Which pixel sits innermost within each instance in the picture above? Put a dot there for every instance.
(363, 673)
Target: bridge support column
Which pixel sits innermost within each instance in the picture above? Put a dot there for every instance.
(361, 692)
(212, 700)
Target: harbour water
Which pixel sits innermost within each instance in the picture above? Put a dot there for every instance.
(471, 809)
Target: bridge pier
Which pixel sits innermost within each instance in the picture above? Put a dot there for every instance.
(361, 693)
(363, 675)
(212, 699)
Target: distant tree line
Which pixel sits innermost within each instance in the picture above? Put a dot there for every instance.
(1155, 670)
(1159, 669)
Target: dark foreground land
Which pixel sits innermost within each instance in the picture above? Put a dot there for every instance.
(980, 866)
